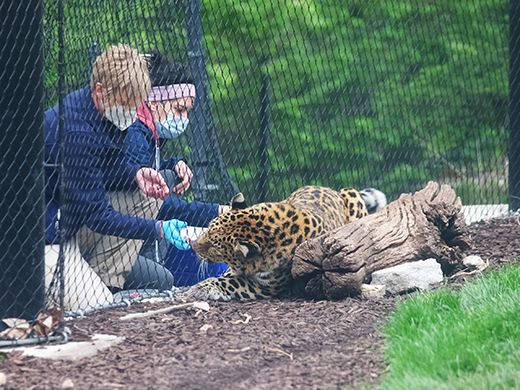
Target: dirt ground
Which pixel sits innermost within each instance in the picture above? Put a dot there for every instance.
(270, 344)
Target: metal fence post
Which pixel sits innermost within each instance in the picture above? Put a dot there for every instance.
(264, 133)
(514, 105)
(22, 247)
(197, 63)
(202, 118)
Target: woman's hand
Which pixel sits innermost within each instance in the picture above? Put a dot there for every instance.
(185, 174)
(152, 183)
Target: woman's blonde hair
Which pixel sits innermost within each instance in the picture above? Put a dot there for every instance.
(122, 70)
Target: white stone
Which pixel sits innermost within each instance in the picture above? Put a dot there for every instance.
(473, 263)
(373, 291)
(3, 379)
(409, 276)
(205, 327)
(67, 384)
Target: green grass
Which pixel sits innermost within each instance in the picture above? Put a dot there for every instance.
(467, 339)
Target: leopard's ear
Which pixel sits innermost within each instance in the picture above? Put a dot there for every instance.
(238, 202)
(246, 250)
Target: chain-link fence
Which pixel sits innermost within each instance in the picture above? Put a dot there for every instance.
(384, 94)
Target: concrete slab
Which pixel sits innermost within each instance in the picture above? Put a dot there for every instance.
(71, 351)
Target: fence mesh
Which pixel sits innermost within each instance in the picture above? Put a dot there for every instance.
(384, 94)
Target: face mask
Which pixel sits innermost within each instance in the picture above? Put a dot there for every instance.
(172, 126)
(119, 117)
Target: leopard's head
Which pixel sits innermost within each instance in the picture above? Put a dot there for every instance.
(255, 239)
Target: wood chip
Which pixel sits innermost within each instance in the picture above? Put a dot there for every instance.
(247, 316)
(269, 349)
(194, 305)
(464, 273)
(239, 350)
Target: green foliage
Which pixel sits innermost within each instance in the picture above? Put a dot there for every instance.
(458, 339)
(143, 24)
(475, 192)
(389, 94)
(398, 93)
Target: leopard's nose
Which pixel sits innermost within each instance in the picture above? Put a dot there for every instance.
(200, 245)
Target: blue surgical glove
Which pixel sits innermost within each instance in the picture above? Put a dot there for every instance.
(172, 233)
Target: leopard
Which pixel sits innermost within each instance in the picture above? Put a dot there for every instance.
(258, 243)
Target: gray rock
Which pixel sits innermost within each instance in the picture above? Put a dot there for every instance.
(409, 276)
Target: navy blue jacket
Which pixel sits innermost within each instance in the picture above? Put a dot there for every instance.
(140, 149)
(94, 163)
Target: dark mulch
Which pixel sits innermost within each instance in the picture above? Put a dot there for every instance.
(287, 344)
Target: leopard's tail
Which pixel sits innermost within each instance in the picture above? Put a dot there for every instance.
(374, 199)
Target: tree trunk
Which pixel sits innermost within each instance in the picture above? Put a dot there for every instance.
(424, 225)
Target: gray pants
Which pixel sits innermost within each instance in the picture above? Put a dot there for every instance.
(148, 274)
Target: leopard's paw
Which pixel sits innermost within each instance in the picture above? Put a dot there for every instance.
(207, 291)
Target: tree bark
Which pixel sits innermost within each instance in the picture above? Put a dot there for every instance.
(427, 224)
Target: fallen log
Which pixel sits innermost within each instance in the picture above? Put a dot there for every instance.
(427, 224)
